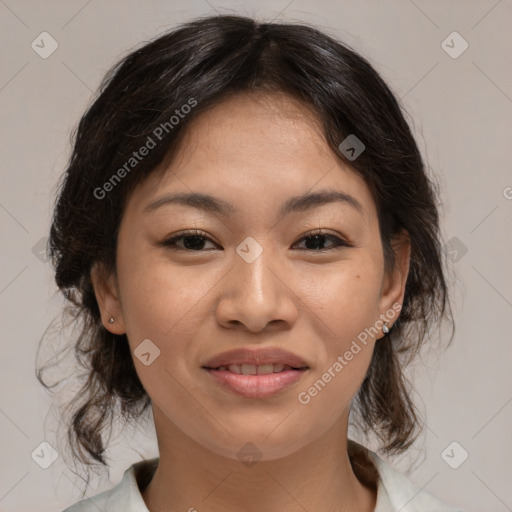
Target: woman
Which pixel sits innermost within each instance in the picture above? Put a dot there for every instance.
(248, 234)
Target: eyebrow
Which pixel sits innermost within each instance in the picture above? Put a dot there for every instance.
(295, 204)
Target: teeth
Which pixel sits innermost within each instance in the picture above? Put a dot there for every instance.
(252, 369)
(248, 369)
(265, 369)
(234, 368)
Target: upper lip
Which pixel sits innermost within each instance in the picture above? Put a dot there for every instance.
(257, 357)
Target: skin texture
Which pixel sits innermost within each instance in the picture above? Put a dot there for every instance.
(254, 151)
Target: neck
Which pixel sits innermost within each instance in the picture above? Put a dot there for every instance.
(319, 476)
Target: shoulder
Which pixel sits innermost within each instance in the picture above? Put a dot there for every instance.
(396, 492)
(125, 496)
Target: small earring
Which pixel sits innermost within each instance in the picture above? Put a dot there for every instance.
(385, 328)
(111, 320)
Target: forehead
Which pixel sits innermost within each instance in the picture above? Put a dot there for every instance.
(252, 151)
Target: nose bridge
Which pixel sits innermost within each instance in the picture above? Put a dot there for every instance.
(255, 295)
(253, 263)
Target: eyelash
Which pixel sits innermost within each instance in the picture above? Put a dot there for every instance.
(171, 242)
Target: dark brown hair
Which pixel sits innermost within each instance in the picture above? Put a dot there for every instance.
(199, 64)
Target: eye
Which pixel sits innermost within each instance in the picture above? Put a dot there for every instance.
(316, 242)
(195, 241)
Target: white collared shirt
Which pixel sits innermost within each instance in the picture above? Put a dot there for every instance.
(395, 492)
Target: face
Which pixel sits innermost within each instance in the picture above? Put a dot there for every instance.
(198, 282)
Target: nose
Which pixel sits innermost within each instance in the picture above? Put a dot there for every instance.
(257, 295)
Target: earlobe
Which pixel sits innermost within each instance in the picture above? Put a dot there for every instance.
(107, 295)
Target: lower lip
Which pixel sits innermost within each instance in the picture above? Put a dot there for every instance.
(256, 386)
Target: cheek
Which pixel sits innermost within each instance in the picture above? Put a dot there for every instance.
(166, 304)
(160, 303)
(344, 297)
(156, 295)
(345, 304)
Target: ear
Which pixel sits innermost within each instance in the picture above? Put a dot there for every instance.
(393, 284)
(107, 295)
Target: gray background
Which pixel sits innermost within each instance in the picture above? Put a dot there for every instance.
(461, 109)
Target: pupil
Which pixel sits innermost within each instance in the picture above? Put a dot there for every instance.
(196, 244)
(316, 244)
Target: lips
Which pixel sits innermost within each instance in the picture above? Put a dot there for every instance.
(256, 373)
(256, 357)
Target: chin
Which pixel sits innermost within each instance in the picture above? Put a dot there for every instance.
(253, 444)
